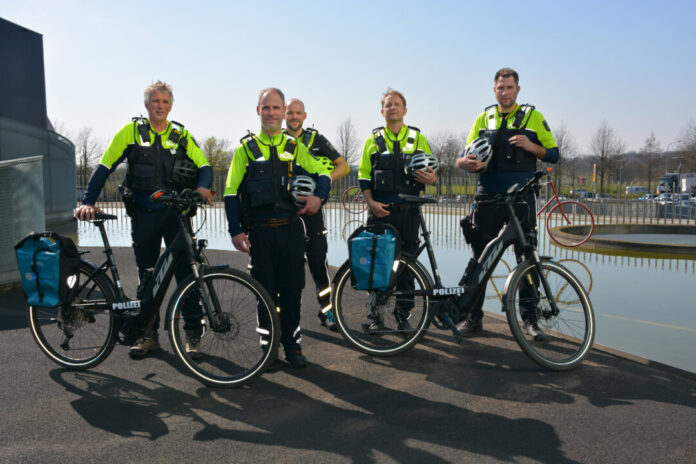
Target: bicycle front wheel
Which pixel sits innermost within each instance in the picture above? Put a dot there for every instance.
(383, 323)
(81, 334)
(568, 213)
(240, 343)
(569, 334)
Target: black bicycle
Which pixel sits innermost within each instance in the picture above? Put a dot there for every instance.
(229, 311)
(547, 293)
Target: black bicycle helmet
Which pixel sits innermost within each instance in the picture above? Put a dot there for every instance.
(184, 173)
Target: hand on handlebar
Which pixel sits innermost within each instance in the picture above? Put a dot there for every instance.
(86, 212)
(206, 194)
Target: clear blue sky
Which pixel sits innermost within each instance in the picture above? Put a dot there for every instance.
(581, 62)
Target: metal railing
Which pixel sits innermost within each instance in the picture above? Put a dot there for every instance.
(443, 217)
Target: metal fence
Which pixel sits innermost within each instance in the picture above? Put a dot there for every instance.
(21, 182)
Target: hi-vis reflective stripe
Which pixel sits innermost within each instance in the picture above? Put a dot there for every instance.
(491, 118)
(143, 143)
(325, 291)
(520, 114)
(326, 308)
(410, 140)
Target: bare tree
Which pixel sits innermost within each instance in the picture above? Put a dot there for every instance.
(88, 151)
(446, 147)
(606, 147)
(687, 148)
(347, 142)
(648, 154)
(568, 151)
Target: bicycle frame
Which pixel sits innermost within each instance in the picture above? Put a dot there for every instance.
(182, 247)
(550, 200)
(472, 283)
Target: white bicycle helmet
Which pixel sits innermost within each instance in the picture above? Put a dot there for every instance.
(301, 186)
(482, 149)
(420, 161)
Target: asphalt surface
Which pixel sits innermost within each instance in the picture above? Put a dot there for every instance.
(482, 401)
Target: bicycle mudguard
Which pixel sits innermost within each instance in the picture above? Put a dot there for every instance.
(217, 267)
(516, 269)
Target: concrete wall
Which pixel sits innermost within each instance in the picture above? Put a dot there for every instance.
(21, 140)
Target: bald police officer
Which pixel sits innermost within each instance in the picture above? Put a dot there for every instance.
(317, 245)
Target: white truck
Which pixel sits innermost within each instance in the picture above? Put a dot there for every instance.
(686, 181)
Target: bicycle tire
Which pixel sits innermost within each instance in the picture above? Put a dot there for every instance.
(77, 336)
(353, 200)
(569, 334)
(352, 306)
(240, 352)
(565, 239)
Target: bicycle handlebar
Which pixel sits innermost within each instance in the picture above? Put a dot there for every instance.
(532, 183)
(181, 200)
(516, 191)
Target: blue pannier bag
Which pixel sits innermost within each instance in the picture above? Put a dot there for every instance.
(49, 266)
(372, 251)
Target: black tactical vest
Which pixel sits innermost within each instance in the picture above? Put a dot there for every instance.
(264, 189)
(389, 169)
(149, 164)
(507, 157)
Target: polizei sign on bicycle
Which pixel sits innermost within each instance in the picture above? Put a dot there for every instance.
(449, 291)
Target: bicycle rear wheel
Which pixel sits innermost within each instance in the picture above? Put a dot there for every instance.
(242, 345)
(568, 213)
(81, 334)
(569, 334)
(355, 310)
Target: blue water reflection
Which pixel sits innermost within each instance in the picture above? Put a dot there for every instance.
(643, 306)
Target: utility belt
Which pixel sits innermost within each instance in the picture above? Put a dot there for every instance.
(272, 222)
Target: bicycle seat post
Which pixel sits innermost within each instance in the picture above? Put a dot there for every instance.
(108, 251)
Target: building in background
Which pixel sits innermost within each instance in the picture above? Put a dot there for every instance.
(36, 193)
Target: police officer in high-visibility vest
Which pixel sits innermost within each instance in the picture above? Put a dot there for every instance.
(160, 154)
(383, 174)
(503, 146)
(263, 210)
(317, 245)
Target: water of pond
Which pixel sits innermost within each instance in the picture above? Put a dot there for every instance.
(643, 306)
(675, 239)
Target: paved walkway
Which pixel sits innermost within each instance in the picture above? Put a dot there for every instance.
(483, 401)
